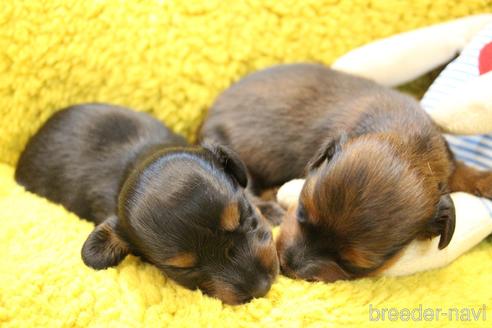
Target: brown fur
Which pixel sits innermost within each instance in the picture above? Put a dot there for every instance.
(225, 293)
(378, 172)
(389, 263)
(267, 255)
(229, 219)
(358, 257)
(182, 260)
(469, 180)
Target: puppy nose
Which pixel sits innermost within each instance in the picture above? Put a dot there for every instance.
(262, 287)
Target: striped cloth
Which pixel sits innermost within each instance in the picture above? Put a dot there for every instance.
(473, 150)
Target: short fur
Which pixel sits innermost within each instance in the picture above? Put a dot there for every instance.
(152, 195)
(378, 172)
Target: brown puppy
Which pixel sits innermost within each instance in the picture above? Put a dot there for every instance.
(378, 172)
(178, 207)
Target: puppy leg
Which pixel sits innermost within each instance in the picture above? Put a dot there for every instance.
(270, 209)
(468, 179)
(269, 194)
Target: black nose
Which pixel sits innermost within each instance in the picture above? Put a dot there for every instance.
(262, 287)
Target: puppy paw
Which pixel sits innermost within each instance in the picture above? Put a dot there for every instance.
(484, 186)
(271, 211)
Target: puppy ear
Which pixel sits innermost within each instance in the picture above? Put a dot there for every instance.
(230, 161)
(444, 222)
(327, 150)
(104, 248)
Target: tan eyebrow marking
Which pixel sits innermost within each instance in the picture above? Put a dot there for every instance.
(229, 219)
(182, 260)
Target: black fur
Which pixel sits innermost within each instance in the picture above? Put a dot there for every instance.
(151, 195)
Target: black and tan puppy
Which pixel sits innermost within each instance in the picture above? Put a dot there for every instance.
(378, 172)
(180, 208)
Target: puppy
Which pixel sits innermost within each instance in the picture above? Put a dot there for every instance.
(180, 208)
(378, 172)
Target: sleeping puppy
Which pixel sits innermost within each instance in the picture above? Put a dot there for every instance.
(378, 172)
(178, 207)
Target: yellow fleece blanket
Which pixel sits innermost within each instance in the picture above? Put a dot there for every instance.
(172, 58)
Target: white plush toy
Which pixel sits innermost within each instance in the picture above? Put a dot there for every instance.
(459, 101)
(406, 56)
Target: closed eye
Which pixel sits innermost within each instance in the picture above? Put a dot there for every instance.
(183, 271)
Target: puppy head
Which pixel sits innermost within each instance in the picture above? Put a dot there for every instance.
(185, 211)
(362, 202)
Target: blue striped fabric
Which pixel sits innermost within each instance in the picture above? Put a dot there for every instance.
(473, 150)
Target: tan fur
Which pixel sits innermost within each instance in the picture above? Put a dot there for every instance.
(182, 260)
(358, 257)
(307, 196)
(267, 255)
(288, 231)
(114, 243)
(229, 219)
(468, 179)
(224, 292)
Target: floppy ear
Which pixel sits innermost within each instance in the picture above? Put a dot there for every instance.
(230, 161)
(444, 221)
(327, 150)
(104, 248)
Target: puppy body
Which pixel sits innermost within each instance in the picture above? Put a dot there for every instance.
(82, 155)
(378, 172)
(152, 195)
(278, 119)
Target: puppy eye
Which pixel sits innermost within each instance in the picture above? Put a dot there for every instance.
(301, 214)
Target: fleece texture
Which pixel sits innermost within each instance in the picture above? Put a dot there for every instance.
(171, 59)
